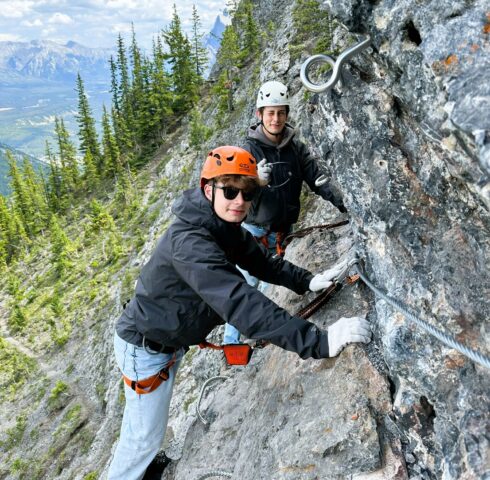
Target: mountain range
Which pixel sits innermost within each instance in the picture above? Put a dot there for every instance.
(37, 83)
(48, 60)
(19, 157)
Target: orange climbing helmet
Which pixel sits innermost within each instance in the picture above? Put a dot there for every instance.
(228, 160)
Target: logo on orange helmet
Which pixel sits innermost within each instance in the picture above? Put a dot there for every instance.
(228, 160)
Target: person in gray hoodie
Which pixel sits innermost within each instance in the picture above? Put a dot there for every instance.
(190, 285)
(285, 163)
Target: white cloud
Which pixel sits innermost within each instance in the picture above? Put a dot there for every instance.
(125, 4)
(60, 19)
(47, 33)
(10, 37)
(15, 8)
(35, 23)
(99, 21)
(120, 28)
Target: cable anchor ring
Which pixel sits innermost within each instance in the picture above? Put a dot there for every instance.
(335, 64)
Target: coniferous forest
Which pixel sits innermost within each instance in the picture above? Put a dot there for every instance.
(70, 233)
(84, 213)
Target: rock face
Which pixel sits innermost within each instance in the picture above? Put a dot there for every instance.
(285, 418)
(405, 140)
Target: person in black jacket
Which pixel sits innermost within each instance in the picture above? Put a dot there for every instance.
(285, 163)
(190, 285)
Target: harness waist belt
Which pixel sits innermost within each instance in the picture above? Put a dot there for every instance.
(157, 347)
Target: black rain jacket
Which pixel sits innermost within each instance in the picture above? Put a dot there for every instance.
(277, 206)
(190, 285)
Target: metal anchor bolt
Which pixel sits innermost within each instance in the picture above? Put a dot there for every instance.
(335, 64)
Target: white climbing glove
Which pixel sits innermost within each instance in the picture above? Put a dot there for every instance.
(321, 180)
(345, 331)
(264, 171)
(324, 280)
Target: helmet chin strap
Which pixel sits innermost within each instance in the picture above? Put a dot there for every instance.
(214, 210)
(212, 195)
(269, 132)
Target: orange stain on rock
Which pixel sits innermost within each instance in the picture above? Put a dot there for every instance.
(451, 60)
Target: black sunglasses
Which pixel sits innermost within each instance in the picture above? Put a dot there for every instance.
(230, 193)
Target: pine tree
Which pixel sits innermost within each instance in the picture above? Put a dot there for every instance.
(199, 52)
(102, 224)
(229, 61)
(22, 204)
(90, 176)
(122, 67)
(60, 247)
(160, 95)
(143, 120)
(125, 117)
(112, 160)
(310, 21)
(121, 131)
(114, 86)
(184, 79)
(199, 132)
(67, 155)
(56, 193)
(5, 232)
(123, 136)
(247, 24)
(12, 233)
(37, 198)
(86, 124)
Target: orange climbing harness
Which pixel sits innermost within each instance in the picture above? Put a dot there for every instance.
(280, 247)
(149, 384)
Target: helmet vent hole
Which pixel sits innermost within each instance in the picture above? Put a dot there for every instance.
(230, 159)
(217, 155)
(218, 162)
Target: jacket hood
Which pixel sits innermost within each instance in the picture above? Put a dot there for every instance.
(257, 133)
(194, 208)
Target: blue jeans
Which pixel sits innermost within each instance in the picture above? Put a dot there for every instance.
(231, 334)
(145, 416)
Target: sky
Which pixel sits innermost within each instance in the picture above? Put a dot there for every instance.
(97, 23)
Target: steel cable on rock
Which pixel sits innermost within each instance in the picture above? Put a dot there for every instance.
(215, 473)
(443, 337)
(206, 383)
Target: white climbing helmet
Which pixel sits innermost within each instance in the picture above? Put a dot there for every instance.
(272, 94)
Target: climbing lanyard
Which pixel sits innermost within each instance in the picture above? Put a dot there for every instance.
(241, 353)
(306, 231)
(283, 239)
